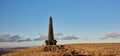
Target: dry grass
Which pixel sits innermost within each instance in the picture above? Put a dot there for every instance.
(100, 49)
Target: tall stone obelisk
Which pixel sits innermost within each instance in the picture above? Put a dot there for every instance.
(50, 40)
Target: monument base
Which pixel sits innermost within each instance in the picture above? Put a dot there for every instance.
(50, 42)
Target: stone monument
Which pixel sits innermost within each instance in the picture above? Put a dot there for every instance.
(50, 40)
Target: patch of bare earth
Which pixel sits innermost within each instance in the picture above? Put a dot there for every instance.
(96, 49)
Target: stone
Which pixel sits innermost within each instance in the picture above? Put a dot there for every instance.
(50, 40)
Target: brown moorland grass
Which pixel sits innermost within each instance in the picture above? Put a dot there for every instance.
(86, 49)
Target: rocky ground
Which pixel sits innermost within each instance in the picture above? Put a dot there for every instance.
(96, 49)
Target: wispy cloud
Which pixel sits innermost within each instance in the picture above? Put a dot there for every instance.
(70, 37)
(41, 38)
(44, 37)
(12, 38)
(17, 38)
(59, 34)
(21, 40)
(9, 38)
(111, 35)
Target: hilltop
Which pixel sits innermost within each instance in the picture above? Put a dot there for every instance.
(88, 49)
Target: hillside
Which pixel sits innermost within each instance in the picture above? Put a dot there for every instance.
(93, 49)
(8, 50)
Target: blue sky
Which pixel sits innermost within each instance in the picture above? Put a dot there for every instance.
(89, 19)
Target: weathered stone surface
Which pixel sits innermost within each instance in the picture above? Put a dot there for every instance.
(54, 48)
(50, 40)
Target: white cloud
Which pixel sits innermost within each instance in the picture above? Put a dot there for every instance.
(9, 38)
(59, 34)
(111, 35)
(41, 38)
(69, 37)
(12, 38)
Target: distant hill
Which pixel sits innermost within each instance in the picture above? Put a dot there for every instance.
(90, 49)
(8, 50)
